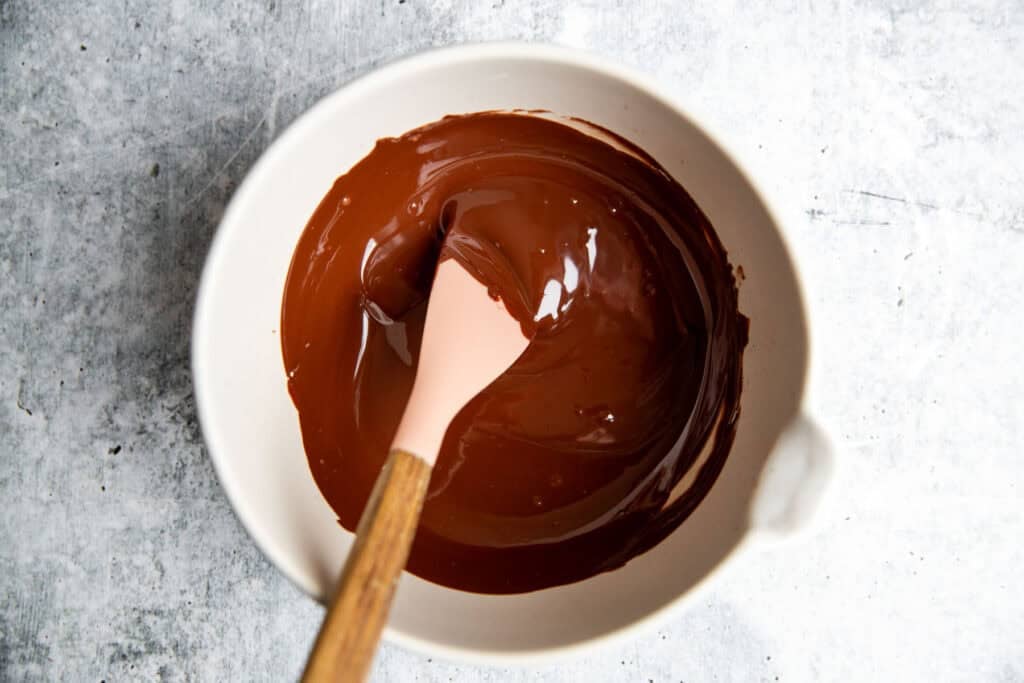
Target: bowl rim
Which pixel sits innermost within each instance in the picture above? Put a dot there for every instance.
(380, 76)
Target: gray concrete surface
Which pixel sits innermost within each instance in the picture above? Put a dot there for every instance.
(889, 132)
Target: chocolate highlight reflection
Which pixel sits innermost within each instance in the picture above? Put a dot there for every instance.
(613, 425)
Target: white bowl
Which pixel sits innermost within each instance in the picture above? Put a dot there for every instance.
(771, 481)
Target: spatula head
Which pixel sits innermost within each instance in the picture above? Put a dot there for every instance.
(469, 339)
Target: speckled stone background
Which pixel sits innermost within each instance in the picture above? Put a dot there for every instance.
(890, 133)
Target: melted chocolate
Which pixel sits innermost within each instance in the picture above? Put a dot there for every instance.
(612, 426)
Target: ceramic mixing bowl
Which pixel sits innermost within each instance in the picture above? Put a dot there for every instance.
(780, 460)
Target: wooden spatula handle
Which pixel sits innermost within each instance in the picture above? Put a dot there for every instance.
(348, 638)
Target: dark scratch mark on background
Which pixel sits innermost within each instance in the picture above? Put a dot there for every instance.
(876, 195)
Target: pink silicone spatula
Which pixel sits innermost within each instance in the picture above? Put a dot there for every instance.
(469, 339)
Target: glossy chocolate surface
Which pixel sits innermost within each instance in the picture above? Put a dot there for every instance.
(612, 426)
